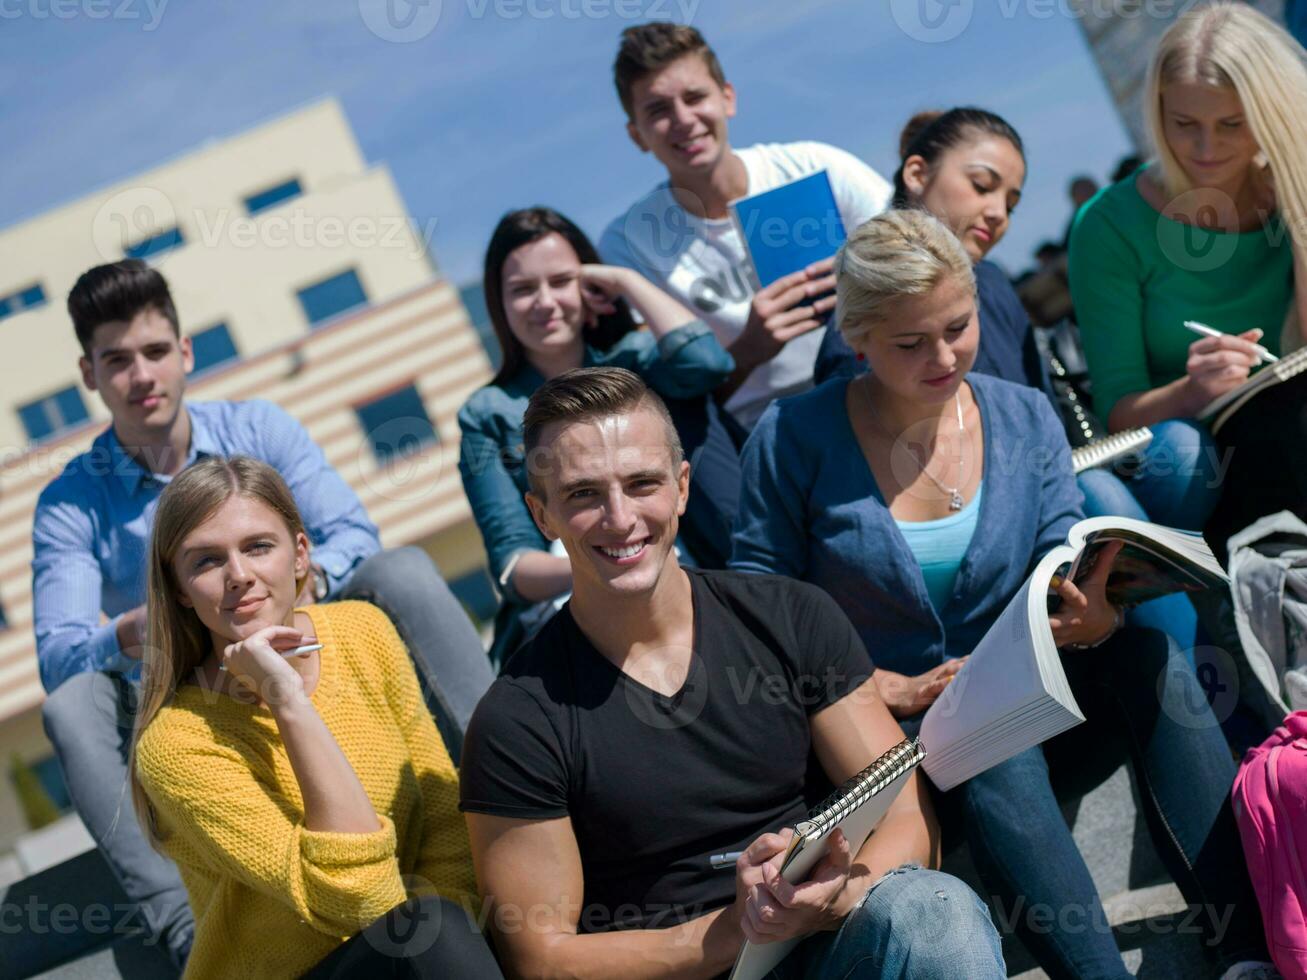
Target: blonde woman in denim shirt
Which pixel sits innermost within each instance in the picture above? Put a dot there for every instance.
(554, 307)
(920, 497)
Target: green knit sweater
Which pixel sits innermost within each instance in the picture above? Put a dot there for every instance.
(1136, 276)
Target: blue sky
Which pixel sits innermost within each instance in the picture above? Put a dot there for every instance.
(507, 103)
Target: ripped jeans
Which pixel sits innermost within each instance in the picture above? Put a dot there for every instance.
(913, 923)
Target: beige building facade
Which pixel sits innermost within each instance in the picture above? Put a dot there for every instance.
(297, 270)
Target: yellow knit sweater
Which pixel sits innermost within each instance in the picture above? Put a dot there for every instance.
(271, 898)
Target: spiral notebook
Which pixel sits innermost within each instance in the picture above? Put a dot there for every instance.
(855, 808)
(1109, 449)
(1220, 410)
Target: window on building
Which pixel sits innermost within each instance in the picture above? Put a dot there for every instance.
(213, 346)
(164, 241)
(273, 196)
(331, 297)
(397, 424)
(475, 591)
(22, 299)
(53, 414)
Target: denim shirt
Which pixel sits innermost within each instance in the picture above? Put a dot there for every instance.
(91, 531)
(688, 362)
(810, 508)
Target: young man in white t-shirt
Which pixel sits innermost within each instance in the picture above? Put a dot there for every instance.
(680, 234)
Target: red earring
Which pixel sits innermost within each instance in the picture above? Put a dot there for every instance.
(862, 357)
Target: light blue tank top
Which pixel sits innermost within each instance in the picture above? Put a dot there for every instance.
(939, 547)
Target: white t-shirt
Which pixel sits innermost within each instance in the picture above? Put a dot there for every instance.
(704, 264)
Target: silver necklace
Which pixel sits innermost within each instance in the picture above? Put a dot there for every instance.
(955, 501)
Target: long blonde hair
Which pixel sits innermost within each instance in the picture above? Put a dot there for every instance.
(895, 254)
(1232, 46)
(176, 641)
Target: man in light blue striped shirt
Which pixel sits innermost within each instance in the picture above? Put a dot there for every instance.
(90, 539)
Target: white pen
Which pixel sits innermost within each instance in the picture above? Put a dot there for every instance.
(297, 652)
(1206, 331)
(720, 861)
(302, 651)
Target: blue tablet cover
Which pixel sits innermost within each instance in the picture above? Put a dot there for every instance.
(789, 227)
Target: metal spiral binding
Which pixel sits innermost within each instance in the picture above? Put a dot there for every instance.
(862, 787)
(1290, 364)
(1109, 447)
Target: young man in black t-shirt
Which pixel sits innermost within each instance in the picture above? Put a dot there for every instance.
(666, 717)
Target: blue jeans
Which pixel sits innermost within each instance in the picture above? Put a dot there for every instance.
(912, 923)
(1143, 703)
(1106, 495)
(1179, 479)
(89, 720)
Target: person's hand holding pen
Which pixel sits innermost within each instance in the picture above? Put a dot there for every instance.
(768, 908)
(1219, 362)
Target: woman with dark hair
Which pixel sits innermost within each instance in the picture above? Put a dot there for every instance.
(966, 167)
(554, 307)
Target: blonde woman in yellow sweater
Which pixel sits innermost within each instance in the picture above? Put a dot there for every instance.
(307, 799)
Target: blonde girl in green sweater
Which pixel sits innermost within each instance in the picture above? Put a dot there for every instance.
(1214, 230)
(307, 799)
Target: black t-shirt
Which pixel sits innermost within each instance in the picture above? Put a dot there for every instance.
(655, 785)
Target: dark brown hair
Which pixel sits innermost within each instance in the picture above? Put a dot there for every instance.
(646, 48)
(931, 134)
(116, 293)
(583, 394)
(518, 228)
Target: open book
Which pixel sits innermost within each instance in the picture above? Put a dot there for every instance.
(1109, 449)
(855, 808)
(1012, 693)
(1221, 409)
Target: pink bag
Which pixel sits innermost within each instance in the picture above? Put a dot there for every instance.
(1270, 806)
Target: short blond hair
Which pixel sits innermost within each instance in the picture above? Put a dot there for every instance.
(895, 254)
